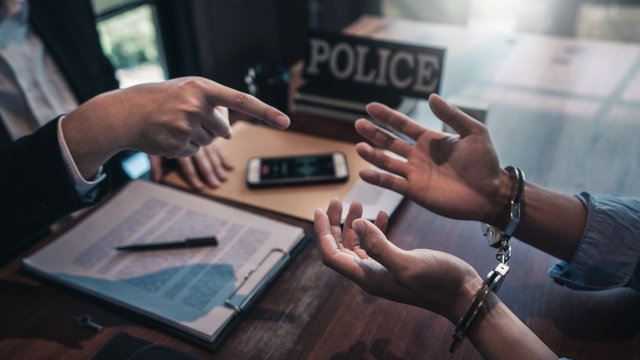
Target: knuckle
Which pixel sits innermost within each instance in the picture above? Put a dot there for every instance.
(189, 83)
(482, 129)
(386, 181)
(181, 137)
(175, 147)
(193, 107)
(177, 143)
(402, 126)
(269, 112)
(387, 141)
(375, 157)
(241, 100)
(385, 161)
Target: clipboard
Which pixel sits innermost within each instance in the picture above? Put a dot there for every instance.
(198, 294)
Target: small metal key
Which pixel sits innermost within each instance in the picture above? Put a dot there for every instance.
(85, 320)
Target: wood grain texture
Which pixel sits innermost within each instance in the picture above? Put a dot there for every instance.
(563, 139)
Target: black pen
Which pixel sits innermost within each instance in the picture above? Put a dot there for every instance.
(189, 242)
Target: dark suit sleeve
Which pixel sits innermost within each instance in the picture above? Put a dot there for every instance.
(36, 188)
(68, 30)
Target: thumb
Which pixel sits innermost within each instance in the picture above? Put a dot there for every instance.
(378, 247)
(462, 123)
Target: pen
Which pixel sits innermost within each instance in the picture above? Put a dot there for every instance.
(189, 242)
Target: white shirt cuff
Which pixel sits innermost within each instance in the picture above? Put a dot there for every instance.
(86, 189)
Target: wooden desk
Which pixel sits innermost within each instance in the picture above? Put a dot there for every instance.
(569, 135)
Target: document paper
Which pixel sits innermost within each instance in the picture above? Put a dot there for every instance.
(184, 288)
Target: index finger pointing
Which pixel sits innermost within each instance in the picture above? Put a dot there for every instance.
(221, 95)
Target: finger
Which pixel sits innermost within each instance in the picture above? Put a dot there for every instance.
(223, 119)
(351, 240)
(462, 123)
(215, 125)
(204, 168)
(201, 136)
(355, 212)
(221, 95)
(332, 256)
(189, 172)
(225, 114)
(322, 228)
(325, 233)
(334, 212)
(385, 180)
(381, 138)
(224, 159)
(372, 239)
(215, 162)
(223, 110)
(382, 160)
(382, 220)
(396, 120)
(156, 167)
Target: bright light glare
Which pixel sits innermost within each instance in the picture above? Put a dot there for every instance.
(503, 15)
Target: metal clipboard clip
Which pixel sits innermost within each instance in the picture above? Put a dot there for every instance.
(241, 302)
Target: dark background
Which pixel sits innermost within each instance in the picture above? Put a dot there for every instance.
(221, 39)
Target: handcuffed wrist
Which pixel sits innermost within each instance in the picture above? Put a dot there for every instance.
(498, 216)
(477, 305)
(465, 295)
(499, 236)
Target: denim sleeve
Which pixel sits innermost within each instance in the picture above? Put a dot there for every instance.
(608, 254)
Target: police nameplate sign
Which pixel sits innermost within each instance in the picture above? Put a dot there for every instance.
(348, 64)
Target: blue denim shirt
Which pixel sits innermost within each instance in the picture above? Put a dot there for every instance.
(608, 254)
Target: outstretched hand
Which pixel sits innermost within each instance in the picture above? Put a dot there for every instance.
(430, 279)
(455, 176)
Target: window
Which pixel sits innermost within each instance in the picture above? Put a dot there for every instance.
(129, 36)
(593, 19)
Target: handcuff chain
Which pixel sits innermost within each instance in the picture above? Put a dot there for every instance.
(504, 252)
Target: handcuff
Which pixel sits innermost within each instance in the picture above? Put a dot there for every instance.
(498, 239)
(495, 235)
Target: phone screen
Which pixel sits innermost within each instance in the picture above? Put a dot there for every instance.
(297, 167)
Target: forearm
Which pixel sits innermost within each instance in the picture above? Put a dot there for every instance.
(551, 221)
(498, 334)
(92, 135)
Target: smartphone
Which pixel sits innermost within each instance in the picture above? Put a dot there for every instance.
(297, 170)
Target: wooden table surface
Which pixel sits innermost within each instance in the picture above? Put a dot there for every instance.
(576, 130)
